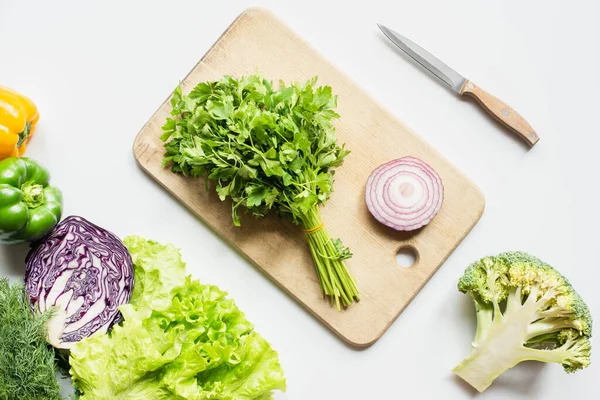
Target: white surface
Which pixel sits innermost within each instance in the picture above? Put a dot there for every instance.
(98, 72)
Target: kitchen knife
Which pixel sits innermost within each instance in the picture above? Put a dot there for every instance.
(502, 112)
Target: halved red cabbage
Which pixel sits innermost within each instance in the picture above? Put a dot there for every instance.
(85, 272)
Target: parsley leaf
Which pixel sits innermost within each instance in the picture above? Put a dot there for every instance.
(267, 149)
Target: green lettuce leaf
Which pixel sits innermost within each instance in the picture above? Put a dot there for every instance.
(179, 339)
(158, 269)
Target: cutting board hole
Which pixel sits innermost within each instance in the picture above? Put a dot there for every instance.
(406, 257)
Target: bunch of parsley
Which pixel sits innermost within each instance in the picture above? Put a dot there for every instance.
(26, 361)
(268, 150)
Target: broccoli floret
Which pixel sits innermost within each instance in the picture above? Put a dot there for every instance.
(526, 310)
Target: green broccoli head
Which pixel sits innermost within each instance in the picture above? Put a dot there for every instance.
(526, 310)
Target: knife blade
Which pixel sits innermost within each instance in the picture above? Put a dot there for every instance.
(463, 86)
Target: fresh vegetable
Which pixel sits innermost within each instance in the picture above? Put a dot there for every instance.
(29, 206)
(83, 272)
(526, 310)
(18, 117)
(26, 361)
(266, 149)
(179, 340)
(404, 194)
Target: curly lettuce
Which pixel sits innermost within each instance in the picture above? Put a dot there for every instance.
(179, 339)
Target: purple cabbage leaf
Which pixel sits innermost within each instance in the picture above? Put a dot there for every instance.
(83, 273)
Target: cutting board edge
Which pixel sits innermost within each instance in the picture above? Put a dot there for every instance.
(368, 94)
(263, 271)
(371, 97)
(365, 341)
(417, 290)
(210, 49)
(141, 141)
(142, 144)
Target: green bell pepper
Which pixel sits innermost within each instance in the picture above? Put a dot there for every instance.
(29, 207)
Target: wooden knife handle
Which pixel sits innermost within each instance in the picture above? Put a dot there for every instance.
(502, 112)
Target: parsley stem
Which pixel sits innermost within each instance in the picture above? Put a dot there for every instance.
(336, 281)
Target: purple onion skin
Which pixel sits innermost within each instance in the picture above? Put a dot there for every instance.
(395, 217)
(102, 269)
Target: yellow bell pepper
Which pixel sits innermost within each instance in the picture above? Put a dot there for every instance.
(18, 117)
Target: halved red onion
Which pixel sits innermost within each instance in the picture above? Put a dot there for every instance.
(404, 194)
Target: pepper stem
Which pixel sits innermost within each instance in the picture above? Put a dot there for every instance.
(33, 194)
(24, 135)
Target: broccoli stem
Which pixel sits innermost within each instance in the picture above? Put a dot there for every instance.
(555, 312)
(514, 301)
(550, 325)
(485, 315)
(498, 352)
(485, 364)
(488, 362)
(556, 355)
(498, 344)
(526, 310)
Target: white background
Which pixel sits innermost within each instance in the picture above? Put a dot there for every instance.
(98, 72)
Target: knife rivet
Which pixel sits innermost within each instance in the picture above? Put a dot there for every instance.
(505, 112)
(470, 85)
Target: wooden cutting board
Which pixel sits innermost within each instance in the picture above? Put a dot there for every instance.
(257, 40)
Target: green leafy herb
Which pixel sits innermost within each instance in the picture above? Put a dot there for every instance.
(179, 339)
(267, 150)
(26, 360)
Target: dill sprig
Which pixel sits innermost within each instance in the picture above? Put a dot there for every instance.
(26, 360)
